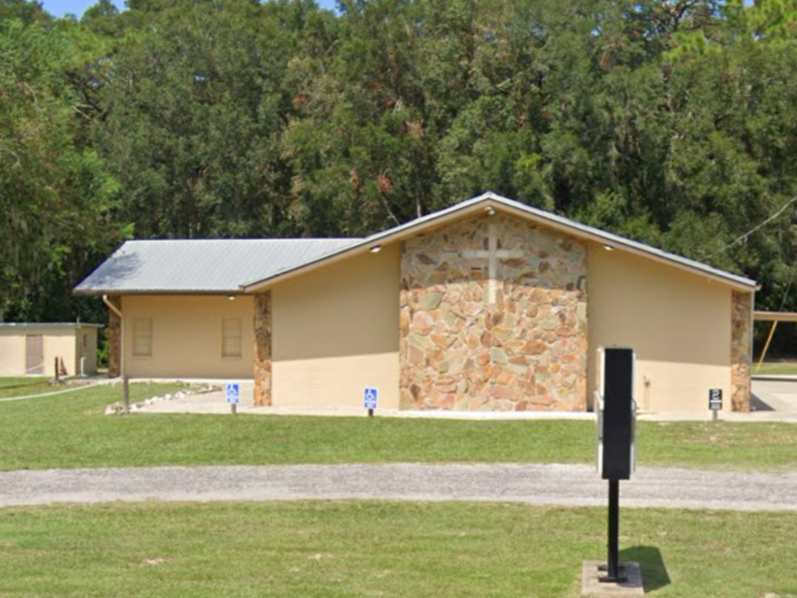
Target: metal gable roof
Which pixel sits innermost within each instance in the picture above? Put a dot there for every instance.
(244, 265)
(201, 266)
(493, 200)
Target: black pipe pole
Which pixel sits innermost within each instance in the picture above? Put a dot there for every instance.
(613, 562)
(613, 568)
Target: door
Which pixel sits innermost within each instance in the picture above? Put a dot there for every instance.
(34, 354)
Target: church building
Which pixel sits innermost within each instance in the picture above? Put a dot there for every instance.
(489, 305)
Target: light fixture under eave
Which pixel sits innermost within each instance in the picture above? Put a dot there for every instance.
(376, 249)
(490, 210)
(608, 248)
(230, 297)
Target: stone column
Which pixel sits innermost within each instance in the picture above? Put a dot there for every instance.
(114, 348)
(741, 350)
(262, 352)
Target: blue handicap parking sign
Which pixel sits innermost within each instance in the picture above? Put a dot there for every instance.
(233, 393)
(370, 397)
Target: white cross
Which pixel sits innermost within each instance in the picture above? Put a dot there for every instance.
(492, 255)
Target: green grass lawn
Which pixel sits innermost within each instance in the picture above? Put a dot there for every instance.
(70, 430)
(17, 387)
(776, 368)
(20, 381)
(342, 549)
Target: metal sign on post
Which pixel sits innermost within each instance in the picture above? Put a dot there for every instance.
(617, 415)
(233, 395)
(715, 402)
(616, 422)
(370, 398)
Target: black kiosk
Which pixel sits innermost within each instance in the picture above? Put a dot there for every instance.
(616, 418)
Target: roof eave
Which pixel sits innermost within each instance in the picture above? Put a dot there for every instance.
(497, 202)
(58, 325)
(456, 212)
(118, 292)
(616, 242)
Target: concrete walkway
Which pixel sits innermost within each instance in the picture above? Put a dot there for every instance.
(566, 485)
(773, 401)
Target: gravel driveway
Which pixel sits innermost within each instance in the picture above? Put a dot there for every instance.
(568, 485)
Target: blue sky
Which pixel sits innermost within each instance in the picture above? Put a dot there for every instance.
(59, 8)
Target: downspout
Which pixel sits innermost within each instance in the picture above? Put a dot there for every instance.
(116, 310)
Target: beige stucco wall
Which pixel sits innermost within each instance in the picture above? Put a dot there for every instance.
(336, 331)
(678, 323)
(87, 349)
(12, 353)
(186, 336)
(61, 344)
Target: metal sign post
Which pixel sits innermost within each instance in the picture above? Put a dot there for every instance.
(613, 568)
(617, 443)
(616, 451)
(233, 396)
(370, 397)
(126, 393)
(715, 402)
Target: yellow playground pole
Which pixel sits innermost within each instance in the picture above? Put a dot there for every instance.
(766, 345)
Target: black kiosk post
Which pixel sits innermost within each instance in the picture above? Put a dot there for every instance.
(616, 411)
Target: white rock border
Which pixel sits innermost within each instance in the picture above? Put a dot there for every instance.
(118, 408)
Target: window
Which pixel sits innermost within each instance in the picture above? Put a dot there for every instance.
(231, 338)
(142, 337)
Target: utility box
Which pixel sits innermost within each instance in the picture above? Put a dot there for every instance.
(616, 413)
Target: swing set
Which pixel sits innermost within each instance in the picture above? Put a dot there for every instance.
(775, 317)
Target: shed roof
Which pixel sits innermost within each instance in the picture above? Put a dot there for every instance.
(201, 266)
(775, 316)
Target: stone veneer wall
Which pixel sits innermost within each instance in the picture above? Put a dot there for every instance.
(262, 349)
(527, 351)
(741, 350)
(114, 340)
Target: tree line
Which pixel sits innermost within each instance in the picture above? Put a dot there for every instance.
(673, 122)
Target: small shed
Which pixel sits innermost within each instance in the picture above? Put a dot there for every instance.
(32, 349)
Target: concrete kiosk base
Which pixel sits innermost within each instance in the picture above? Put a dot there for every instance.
(591, 587)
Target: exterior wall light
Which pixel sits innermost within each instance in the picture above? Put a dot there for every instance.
(490, 211)
(608, 248)
(230, 297)
(376, 249)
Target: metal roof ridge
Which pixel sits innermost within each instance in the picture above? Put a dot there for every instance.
(244, 240)
(621, 240)
(497, 200)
